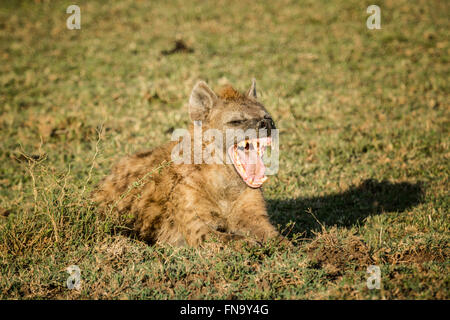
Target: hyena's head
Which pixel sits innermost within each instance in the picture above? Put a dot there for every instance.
(244, 124)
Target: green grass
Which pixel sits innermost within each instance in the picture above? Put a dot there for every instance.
(364, 153)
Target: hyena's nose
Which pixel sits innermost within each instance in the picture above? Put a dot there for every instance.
(267, 124)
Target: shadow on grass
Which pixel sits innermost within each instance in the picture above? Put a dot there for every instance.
(345, 209)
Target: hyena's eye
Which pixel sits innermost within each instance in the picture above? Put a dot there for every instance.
(236, 122)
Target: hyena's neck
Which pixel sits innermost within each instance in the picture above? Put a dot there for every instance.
(220, 178)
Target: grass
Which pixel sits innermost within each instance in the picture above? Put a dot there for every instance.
(364, 151)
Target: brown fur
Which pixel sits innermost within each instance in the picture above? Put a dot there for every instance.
(229, 93)
(187, 203)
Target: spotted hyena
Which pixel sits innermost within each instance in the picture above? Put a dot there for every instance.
(189, 203)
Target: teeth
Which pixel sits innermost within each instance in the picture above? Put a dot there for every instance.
(254, 144)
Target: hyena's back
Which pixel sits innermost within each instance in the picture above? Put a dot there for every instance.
(139, 194)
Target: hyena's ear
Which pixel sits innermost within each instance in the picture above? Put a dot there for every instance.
(252, 91)
(201, 101)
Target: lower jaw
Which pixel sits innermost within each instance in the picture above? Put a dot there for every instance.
(255, 184)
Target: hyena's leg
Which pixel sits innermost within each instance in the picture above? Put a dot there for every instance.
(249, 217)
(196, 232)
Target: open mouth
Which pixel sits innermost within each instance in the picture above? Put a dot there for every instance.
(247, 156)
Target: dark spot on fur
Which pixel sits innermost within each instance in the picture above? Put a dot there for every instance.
(143, 154)
(215, 214)
(221, 229)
